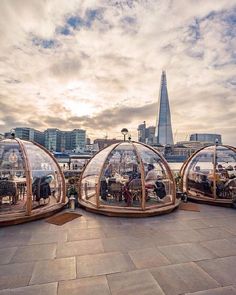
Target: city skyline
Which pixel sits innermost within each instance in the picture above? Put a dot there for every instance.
(96, 65)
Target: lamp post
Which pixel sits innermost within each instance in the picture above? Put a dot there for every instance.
(124, 131)
(13, 133)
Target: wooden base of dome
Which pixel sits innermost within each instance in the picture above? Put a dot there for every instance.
(211, 201)
(122, 212)
(12, 218)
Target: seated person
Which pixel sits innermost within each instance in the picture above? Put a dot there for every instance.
(103, 188)
(108, 171)
(160, 189)
(197, 168)
(41, 187)
(220, 168)
(153, 181)
(151, 175)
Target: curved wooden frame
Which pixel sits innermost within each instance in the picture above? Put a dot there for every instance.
(202, 198)
(131, 211)
(63, 191)
(16, 217)
(28, 176)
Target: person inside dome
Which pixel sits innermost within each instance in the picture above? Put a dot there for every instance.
(153, 182)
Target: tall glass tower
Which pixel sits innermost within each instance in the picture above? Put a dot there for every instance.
(163, 127)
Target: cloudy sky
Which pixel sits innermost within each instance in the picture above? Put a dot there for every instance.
(97, 65)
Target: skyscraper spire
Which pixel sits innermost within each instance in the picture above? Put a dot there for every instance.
(163, 128)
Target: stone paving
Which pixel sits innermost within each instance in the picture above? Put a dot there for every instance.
(180, 253)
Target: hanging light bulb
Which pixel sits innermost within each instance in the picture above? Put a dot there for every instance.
(13, 157)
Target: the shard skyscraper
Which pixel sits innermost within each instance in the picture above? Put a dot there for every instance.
(164, 134)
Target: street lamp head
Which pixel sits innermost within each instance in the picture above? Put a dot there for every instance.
(13, 133)
(124, 131)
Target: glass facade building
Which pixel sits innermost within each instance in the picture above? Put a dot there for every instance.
(206, 137)
(27, 133)
(53, 140)
(164, 134)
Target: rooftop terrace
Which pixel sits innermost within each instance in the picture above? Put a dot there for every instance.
(181, 253)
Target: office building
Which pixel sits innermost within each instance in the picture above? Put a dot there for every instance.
(142, 132)
(53, 139)
(102, 143)
(150, 135)
(146, 134)
(206, 137)
(27, 133)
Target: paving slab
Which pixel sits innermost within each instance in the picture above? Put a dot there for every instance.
(48, 237)
(47, 271)
(85, 234)
(148, 258)
(231, 227)
(132, 230)
(221, 247)
(177, 237)
(15, 275)
(6, 254)
(139, 282)
(126, 243)
(76, 248)
(196, 223)
(86, 286)
(34, 253)
(222, 270)
(169, 225)
(103, 222)
(44, 289)
(100, 264)
(214, 233)
(182, 278)
(186, 252)
(14, 239)
(220, 291)
(218, 220)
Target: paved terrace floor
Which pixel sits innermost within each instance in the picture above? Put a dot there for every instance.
(180, 253)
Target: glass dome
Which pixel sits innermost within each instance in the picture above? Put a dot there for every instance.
(31, 182)
(128, 179)
(210, 175)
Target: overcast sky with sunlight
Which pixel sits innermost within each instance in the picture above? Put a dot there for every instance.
(97, 65)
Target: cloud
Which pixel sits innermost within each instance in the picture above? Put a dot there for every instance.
(97, 64)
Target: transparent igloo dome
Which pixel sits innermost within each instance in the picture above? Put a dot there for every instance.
(128, 179)
(210, 175)
(31, 182)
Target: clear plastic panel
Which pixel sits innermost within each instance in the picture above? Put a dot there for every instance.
(225, 173)
(121, 183)
(46, 180)
(12, 177)
(158, 185)
(199, 174)
(91, 174)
